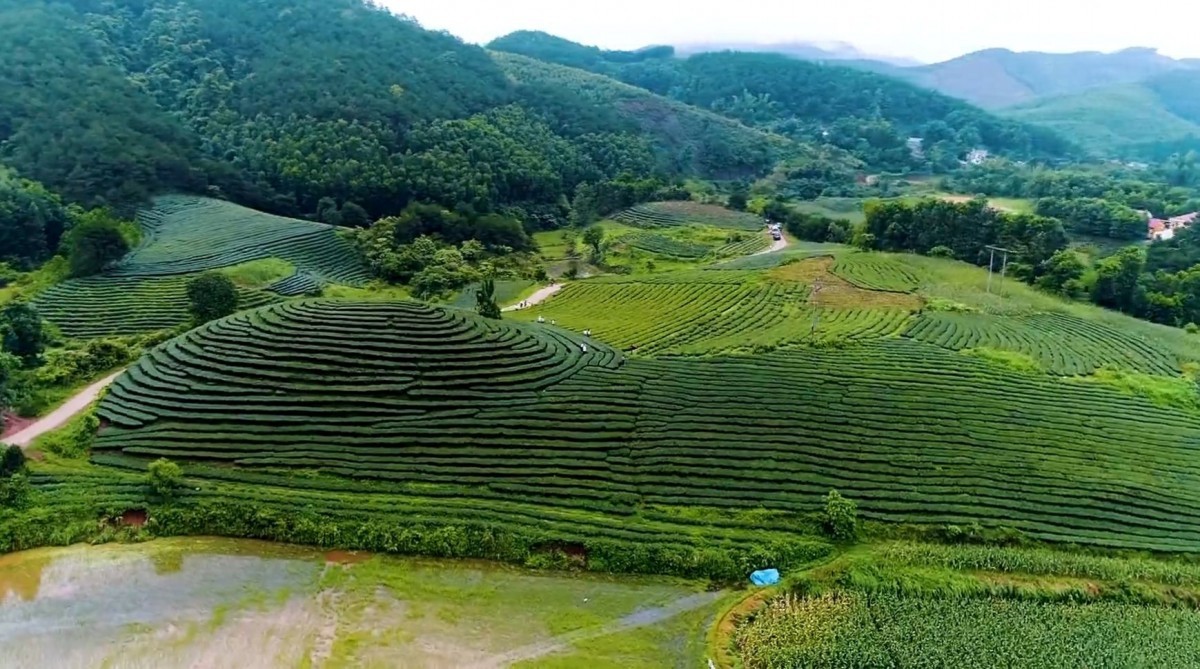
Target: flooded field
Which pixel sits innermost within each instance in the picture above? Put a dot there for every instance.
(244, 604)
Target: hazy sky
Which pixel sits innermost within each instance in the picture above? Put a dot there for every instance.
(929, 30)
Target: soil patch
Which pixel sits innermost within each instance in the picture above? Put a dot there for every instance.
(134, 517)
(346, 557)
(14, 424)
(838, 293)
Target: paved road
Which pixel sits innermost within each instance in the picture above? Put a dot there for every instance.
(540, 296)
(62, 414)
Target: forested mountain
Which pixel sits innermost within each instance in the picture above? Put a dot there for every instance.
(996, 78)
(868, 114)
(553, 49)
(299, 107)
(1151, 119)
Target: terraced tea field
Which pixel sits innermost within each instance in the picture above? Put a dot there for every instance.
(185, 235)
(418, 395)
(103, 306)
(671, 214)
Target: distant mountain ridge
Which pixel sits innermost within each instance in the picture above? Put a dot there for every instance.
(807, 50)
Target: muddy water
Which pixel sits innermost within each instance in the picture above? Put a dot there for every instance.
(246, 604)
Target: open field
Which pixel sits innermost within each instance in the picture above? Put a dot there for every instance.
(895, 605)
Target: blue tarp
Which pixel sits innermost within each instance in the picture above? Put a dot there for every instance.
(765, 577)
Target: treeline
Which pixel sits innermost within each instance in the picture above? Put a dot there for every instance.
(1160, 283)
(329, 109)
(869, 115)
(1149, 190)
(964, 230)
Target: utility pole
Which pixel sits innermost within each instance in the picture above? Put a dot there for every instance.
(992, 264)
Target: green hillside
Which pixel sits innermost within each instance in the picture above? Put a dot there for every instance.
(814, 102)
(182, 237)
(1148, 118)
(419, 396)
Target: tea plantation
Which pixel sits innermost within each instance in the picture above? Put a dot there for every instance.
(186, 235)
(419, 395)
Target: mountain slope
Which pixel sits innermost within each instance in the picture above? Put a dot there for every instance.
(692, 140)
(997, 78)
(869, 114)
(284, 105)
(1127, 119)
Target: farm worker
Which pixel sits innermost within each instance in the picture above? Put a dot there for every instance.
(584, 347)
(541, 319)
(554, 322)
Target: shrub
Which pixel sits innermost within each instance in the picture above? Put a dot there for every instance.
(941, 252)
(485, 300)
(165, 477)
(12, 461)
(211, 296)
(1192, 328)
(841, 517)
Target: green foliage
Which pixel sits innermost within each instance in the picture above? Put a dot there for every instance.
(21, 331)
(1164, 391)
(485, 300)
(966, 228)
(594, 237)
(164, 478)
(12, 461)
(1011, 360)
(15, 490)
(941, 252)
(72, 441)
(840, 517)
(211, 296)
(1095, 216)
(1063, 274)
(682, 212)
(32, 220)
(95, 242)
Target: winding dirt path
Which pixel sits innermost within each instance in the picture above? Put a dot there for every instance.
(540, 296)
(779, 245)
(57, 418)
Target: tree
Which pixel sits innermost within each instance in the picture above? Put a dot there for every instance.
(354, 216)
(594, 237)
(738, 199)
(211, 296)
(485, 300)
(22, 331)
(12, 460)
(1062, 273)
(1117, 279)
(11, 387)
(95, 243)
(841, 517)
(164, 477)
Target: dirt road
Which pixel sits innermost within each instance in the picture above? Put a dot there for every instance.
(540, 296)
(779, 245)
(57, 418)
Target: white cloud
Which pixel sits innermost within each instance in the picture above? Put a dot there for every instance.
(930, 30)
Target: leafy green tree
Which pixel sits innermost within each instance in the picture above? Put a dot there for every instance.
(22, 331)
(485, 300)
(840, 517)
(594, 237)
(1063, 273)
(15, 491)
(1117, 278)
(94, 243)
(211, 296)
(739, 198)
(12, 388)
(164, 477)
(354, 216)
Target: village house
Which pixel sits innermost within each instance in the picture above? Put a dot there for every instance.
(1165, 228)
